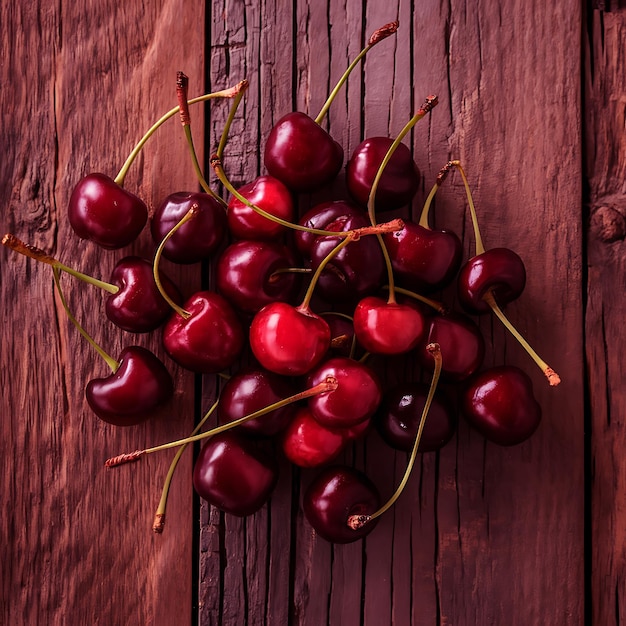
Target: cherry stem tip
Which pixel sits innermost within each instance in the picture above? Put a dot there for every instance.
(159, 523)
(121, 459)
(553, 378)
(383, 32)
(356, 522)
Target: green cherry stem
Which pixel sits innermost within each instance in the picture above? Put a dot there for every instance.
(433, 304)
(443, 174)
(377, 36)
(229, 120)
(17, 245)
(327, 385)
(159, 517)
(429, 104)
(358, 521)
(193, 211)
(111, 362)
(224, 93)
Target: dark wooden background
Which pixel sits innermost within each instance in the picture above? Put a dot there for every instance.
(532, 101)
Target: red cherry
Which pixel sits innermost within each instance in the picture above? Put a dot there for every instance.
(133, 392)
(105, 213)
(333, 497)
(195, 241)
(288, 340)
(383, 327)
(500, 404)
(234, 475)
(267, 193)
(356, 398)
(207, 341)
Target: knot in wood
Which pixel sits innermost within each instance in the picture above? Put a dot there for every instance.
(608, 224)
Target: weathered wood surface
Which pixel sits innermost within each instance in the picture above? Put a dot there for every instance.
(483, 534)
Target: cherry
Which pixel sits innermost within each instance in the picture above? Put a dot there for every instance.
(205, 336)
(252, 274)
(131, 394)
(234, 474)
(500, 404)
(334, 496)
(307, 443)
(104, 212)
(383, 327)
(356, 398)
(343, 340)
(193, 242)
(288, 340)
(269, 194)
(248, 391)
(399, 181)
(397, 419)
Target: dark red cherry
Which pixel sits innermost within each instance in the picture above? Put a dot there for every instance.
(398, 417)
(138, 306)
(105, 213)
(323, 216)
(198, 239)
(250, 390)
(249, 274)
(462, 346)
(341, 333)
(499, 270)
(288, 340)
(234, 474)
(399, 180)
(335, 495)
(307, 443)
(210, 339)
(134, 391)
(355, 271)
(356, 398)
(301, 154)
(267, 193)
(500, 404)
(383, 327)
(424, 260)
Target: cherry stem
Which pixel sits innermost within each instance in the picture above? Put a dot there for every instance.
(377, 36)
(276, 274)
(17, 245)
(433, 304)
(182, 84)
(230, 92)
(193, 211)
(229, 120)
(429, 104)
(553, 378)
(111, 362)
(480, 248)
(340, 340)
(326, 386)
(443, 174)
(159, 516)
(358, 521)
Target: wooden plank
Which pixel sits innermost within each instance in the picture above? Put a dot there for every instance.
(605, 166)
(87, 79)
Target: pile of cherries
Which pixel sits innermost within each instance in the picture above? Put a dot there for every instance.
(306, 311)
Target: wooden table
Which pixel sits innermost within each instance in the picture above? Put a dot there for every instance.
(532, 101)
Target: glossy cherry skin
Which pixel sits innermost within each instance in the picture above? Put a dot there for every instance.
(462, 346)
(247, 274)
(288, 340)
(138, 306)
(134, 391)
(210, 340)
(398, 417)
(323, 216)
(398, 182)
(355, 271)
(382, 327)
(105, 213)
(424, 260)
(356, 398)
(269, 194)
(499, 270)
(196, 240)
(500, 404)
(336, 494)
(250, 390)
(234, 475)
(307, 443)
(301, 154)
